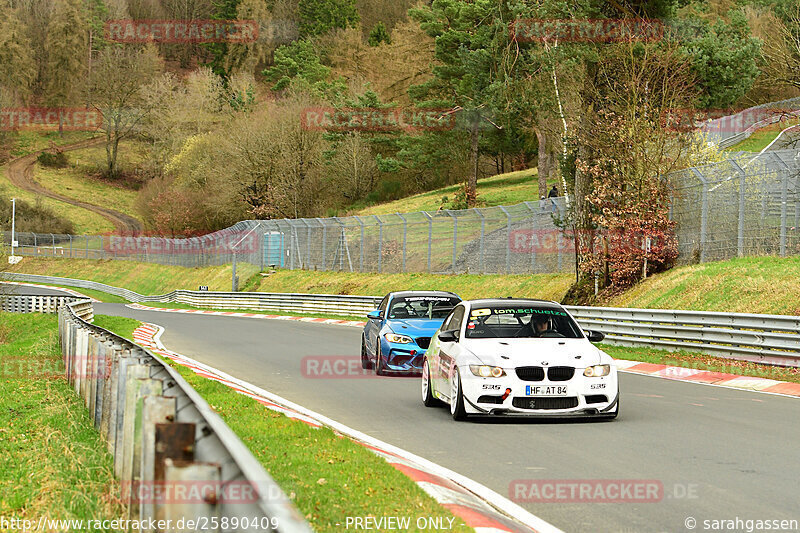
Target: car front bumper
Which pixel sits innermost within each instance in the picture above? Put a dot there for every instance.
(584, 397)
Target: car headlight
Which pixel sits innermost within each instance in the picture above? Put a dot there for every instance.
(398, 339)
(597, 371)
(486, 371)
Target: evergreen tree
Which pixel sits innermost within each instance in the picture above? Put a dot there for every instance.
(67, 50)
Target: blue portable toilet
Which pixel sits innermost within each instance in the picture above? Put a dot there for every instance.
(274, 248)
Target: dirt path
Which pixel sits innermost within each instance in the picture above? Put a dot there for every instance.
(20, 172)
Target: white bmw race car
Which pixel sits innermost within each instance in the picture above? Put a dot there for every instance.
(518, 358)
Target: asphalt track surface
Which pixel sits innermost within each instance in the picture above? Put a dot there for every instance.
(719, 453)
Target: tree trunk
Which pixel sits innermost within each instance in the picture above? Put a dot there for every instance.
(472, 183)
(544, 161)
(582, 180)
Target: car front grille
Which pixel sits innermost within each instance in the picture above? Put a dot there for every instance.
(423, 342)
(530, 373)
(545, 403)
(560, 373)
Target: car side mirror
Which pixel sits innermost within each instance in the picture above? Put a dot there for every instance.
(448, 336)
(595, 336)
(375, 315)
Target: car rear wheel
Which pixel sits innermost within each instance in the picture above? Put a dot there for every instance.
(379, 359)
(457, 398)
(365, 362)
(427, 392)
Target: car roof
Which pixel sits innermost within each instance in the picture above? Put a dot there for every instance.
(514, 301)
(422, 293)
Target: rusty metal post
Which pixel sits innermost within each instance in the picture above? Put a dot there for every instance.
(155, 410)
(178, 473)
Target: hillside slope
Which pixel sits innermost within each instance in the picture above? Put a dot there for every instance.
(748, 285)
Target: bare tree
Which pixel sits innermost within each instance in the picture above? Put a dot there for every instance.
(116, 92)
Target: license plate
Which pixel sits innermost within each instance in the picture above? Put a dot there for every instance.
(545, 390)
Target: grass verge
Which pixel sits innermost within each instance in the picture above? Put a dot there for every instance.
(151, 279)
(468, 286)
(746, 285)
(761, 138)
(54, 462)
(503, 189)
(328, 477)
(144, 278)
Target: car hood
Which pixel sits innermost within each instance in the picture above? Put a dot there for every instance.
(415, 327)
(512, 353)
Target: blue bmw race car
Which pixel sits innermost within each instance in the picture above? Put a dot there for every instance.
(398, 332)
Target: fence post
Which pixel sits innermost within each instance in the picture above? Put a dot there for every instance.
(35, 246)
(87, 247)
(508, 238)
(483, 234)
(784, 201)
(430, 237)
(361, 247)
(742, 186)
(324, 241)
(54, 244)
(533, 239)
(703, 214)
(380, 243)
(405, 234)
(70, 246)
(455, 238)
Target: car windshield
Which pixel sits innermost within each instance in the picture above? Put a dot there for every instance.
(525, 321)
(422, 307)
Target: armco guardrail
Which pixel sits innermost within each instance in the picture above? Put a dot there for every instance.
(262, 301)
(176, 458)
(771, 339)
(37, 303)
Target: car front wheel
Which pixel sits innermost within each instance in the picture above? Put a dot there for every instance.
(365, 362)
(427, 392)
(457, 398)
(379, 359)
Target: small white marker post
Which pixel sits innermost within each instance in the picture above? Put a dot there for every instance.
(12, 259)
